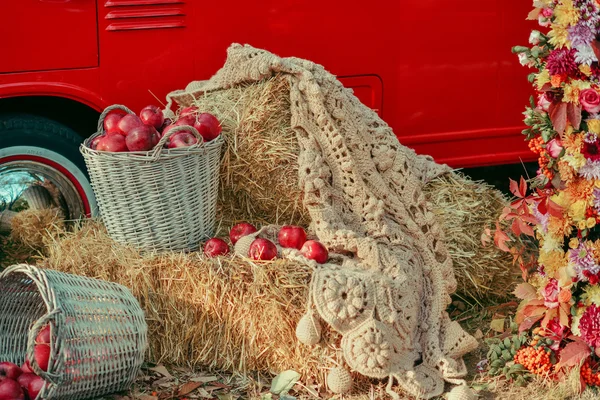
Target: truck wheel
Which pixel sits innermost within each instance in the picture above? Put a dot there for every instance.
(38, 150)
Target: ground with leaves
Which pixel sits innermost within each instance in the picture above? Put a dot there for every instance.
(490, 321)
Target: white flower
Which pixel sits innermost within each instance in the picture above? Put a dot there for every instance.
(525, 60)
(585, 55)
(591, 170)
(534, 37)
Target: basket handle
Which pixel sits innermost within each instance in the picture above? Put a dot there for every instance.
(107, 111)
(33, 332)
(181, 128)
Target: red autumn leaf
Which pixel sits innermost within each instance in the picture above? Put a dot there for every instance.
(520, 189)
(558, 115)
(528, 322)
(529, 218)
(188, 387)
(500, 239)
(563, 314)
(532, 308)
(554, 209)
(523, 187)
(549, 316)
(574, 114)
(573, 354)
(526, 229)
(525, 291)
(515, 227)
(596, 48)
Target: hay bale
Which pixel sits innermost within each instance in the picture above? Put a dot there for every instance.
(33, 227)
(259, 183)
(227, 313)
(465, 208)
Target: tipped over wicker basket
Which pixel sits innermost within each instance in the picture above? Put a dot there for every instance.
(157, 200)
(98, 330)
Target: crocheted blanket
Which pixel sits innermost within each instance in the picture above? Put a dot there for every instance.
(363, 191)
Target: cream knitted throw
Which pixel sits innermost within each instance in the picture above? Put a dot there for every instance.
(363, 191)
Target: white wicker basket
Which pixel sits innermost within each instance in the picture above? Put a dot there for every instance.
(158, 200)
(98, 330)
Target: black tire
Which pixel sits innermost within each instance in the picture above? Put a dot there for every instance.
(44, 141)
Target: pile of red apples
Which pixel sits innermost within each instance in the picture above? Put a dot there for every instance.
(21, 383)
(129, 132)
(289, 236)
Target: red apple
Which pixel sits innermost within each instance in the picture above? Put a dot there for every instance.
(114, 143)
(191, 110)
(239, 230)
(128, 122)
(262, 249)
(188, 120)
(9, 370)
(26, 368)
(315, 251)
(181, 139)
(208, 126)
(41, 353)
(35, 386)
(215, 247)
(94, 142)
(292, 236)
(141, 138)
(11, 390)
(43, 336)
(25, 378)
(111, 121)
(153, 116)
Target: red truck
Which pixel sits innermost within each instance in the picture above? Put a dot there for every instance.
(440, 73)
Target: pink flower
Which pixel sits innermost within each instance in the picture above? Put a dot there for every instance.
(589, 326)
(555, 332)
(554, 147)
(550, 293)
(543, 102)
(590, 100)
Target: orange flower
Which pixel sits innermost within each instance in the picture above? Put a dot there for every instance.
(556, 80)
(580, 189)
(564, 296)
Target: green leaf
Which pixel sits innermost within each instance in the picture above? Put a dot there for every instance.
(266, 396)
(497, 325)
(284, 382)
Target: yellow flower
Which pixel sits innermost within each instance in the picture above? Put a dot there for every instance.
(593, 125)
(571, 94)
(542, 78)
(576, 161)
(585, 69)
(559, 36)
(591, 295)
(538, 280)
(552, 261)
(575, 321)
(565, 14)
(581, 225)
(574, 242)
(590, 222)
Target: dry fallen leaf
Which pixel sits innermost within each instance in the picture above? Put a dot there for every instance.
(204, 379)
(162, 370)
(188, 388)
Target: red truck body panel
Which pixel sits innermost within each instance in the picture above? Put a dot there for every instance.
(440, 73)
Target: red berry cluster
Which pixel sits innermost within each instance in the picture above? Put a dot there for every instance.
(535, 360)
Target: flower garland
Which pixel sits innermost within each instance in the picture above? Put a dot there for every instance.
(560, 212)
